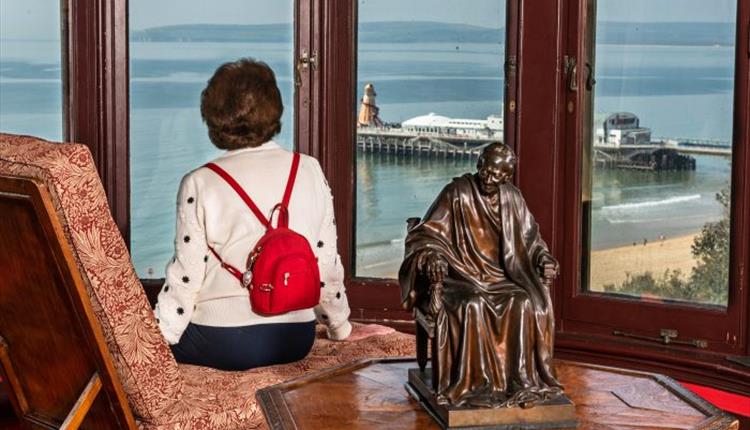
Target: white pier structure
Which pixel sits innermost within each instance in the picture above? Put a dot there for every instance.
(619, 139)
(622, 131)
(432, 134)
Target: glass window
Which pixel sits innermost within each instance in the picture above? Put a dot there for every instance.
(30, 69)
(656, 180)
(175, 46)
(430, 92)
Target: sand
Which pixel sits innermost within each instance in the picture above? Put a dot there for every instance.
(609, 266)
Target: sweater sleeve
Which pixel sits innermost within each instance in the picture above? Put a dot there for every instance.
(333, 310)
(187, 269)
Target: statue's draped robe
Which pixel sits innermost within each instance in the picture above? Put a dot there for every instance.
(495, 329)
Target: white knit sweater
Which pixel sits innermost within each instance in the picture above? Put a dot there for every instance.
(209, 212)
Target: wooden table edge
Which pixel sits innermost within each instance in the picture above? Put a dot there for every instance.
(279, 416)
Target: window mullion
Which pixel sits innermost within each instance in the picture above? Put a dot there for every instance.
(97, 97)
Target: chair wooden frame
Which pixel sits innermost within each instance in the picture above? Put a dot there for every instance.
(425, 330)
(102, 402)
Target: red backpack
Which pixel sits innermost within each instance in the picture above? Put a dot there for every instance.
(281, 272)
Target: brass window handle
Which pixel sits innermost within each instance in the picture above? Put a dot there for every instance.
(666, 337)
(304, 62)
(571, 70)
(590, 80)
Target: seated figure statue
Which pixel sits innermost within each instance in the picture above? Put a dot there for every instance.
(477, 266)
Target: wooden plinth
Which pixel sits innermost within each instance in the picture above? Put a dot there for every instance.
(370, 394)
(554, 414)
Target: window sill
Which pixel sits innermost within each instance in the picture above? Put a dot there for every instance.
(682, 363)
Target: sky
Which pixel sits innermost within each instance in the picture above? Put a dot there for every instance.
(37, 19)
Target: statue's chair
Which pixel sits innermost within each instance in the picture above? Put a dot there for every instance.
(79, 344)
(425, 329)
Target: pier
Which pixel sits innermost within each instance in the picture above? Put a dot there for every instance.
(665, 153)
(619, 140)
(662, 154)
(405, 142)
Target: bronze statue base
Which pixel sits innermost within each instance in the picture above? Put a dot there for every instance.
(555, 413)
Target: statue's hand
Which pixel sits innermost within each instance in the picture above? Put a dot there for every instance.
(434, 266)
(550, 269)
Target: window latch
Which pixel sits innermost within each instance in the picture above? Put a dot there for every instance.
(666, 337)
(511, 65)
(590, 81)
(571, 71)
(305, 61)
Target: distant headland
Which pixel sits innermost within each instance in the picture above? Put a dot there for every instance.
(608, 32)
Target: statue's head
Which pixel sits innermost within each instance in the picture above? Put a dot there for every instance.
(495, 166)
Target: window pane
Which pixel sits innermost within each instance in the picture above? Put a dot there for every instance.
(657, 181)
(175, 47)
(30, 71)
(436, 84)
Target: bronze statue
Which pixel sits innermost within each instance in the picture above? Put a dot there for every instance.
(478, 267)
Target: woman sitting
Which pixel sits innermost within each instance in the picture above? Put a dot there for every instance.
(203, 311)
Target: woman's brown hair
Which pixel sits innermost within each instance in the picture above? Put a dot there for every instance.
(241, 105)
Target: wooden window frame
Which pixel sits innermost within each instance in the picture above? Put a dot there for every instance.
(96, 99)
(585, 322)
(538, 126)
(377, 299)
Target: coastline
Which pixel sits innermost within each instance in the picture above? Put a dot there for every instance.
(608, 266)
(611, 266)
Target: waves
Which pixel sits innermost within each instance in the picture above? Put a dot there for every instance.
(652, 203)
(676, 207)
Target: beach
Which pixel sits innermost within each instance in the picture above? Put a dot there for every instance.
(610, 266)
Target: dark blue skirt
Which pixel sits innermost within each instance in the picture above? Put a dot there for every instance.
(242, 348)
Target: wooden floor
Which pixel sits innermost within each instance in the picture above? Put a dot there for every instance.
(372, 396)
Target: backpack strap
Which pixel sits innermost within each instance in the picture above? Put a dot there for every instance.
(283, 207)
(226, 266)
(243, 195)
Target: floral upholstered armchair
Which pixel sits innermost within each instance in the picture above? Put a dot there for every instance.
(161, 393)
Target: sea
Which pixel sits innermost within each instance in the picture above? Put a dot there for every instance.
(677, 91)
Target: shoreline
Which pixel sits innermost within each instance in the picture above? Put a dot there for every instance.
(607, 266)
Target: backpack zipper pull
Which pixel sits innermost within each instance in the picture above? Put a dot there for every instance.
(247, 278)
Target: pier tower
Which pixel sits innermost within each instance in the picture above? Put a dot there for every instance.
(368, 109)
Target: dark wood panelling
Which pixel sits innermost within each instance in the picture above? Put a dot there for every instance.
(511, 94)
(740, 295)
(538, 123)
(306, 116)
(52, 350)
(539, 58)
(97, 94)
(336, 151)
(337, 100)
(704, 368)
(8, 420)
